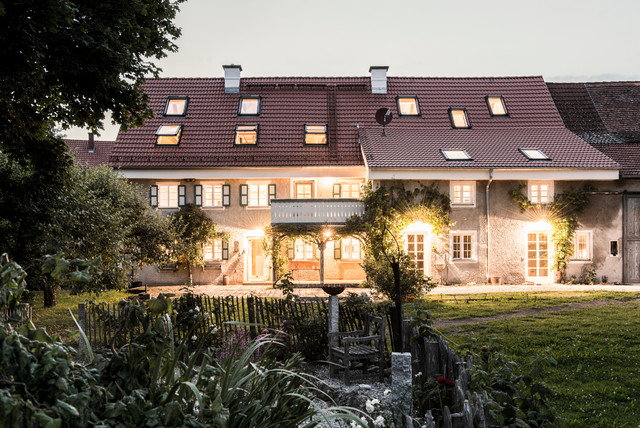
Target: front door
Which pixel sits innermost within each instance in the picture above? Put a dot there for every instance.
(418, 250)
(257, 262)
(538, 258)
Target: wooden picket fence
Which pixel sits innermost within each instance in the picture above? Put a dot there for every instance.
(22, 313)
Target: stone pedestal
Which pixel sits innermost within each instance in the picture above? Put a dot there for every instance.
(401, 381)
(333, 317)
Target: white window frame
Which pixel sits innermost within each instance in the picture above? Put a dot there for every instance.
(452, 193)
(250, 194)
(538, 183)
(347, 184)
(589, 236)
(214, 249)
(168, 200)
(347, 249)
(474, 245)
(303, 251)
(294, 193)
(213, 185)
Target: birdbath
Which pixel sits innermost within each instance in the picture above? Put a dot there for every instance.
(334, 309)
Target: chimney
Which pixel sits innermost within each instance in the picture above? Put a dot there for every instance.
(91, 145)
(378, 79)
(232, 79)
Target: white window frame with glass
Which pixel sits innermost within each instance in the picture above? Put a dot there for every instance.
(350, 249)
(176, 105)
(249, 105)
(540, 192)
(456, 155)
(408, 106)
(304, 251)
(347, 189)
(303, 189)
(582, 246)
(462, 193)
(213, 251)
(463, 244)
(459, 118)
(315, 134)
(257, 194)
(246, 134)
(167, 195)
(212, 194)
(496, 105)
(168, 135)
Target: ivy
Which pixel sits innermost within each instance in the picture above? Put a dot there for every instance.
(562, 214)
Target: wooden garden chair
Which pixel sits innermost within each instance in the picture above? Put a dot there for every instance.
(365, 346)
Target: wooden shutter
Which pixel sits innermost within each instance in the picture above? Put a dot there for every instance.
(317, 252)
(244, 194)
(337, 249)
(225, 249)
(272, 192)
(182, 195)
(197, 194)
(337, 190)
(153, 195)
(291, 252)
(226, 195)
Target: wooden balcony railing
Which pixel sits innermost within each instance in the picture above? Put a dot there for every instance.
(314, 211)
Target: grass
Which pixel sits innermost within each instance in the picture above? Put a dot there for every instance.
(452, 307)
(597, 378)
(57, 319)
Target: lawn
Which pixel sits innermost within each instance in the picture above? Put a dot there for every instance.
(597, 379)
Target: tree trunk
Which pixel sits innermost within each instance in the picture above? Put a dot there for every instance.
(190, 281)
(50, 298)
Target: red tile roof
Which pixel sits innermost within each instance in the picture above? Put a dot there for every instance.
(100, 155)
(626, 154)
(289, 103)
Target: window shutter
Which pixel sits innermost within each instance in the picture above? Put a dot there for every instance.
(226, 195)
(291, 253)
(197, 194)
(337, 249)
(317, 252)
(225, 249)
(244, 194)
(272, 192)
(337, 190)
(182, 195)
(153, 195)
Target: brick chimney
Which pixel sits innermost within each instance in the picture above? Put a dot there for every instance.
(91, 145)
(378, 79)
(232, 79)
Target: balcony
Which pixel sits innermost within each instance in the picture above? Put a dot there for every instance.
(314, 211)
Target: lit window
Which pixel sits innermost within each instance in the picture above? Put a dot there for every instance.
(169, 135)
(408, 106)
(455, 155)
(246, 134)
(540, 192)
(463, 193)
(350, 249)
(304, 190)
(315, 134)
(581, 245)
(459, 118)
(212, 251)
(350, 190)
(534, 154)
(496, 105)
(463, 246)
(167, 196)
(304, 250)
(258, 195)
(249, 106)
(176, 106)
(212, 195)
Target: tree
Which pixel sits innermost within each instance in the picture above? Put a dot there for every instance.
(194, 229)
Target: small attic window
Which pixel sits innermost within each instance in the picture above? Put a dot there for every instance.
(534, 154)
(176, 105)
(455, 155)
(408, 106)
(315, 134)
(246, 134)
(458, 117)
(249, 106)
(169, 135)
(496, 105)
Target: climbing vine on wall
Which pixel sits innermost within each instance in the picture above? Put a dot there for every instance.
(562, 214)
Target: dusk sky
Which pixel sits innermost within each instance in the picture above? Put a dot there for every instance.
(560, 40)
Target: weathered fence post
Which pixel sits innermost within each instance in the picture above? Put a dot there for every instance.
(401, 390)
(334, 317)
(251, 310)
(82, 322)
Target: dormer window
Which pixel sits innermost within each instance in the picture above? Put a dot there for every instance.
(315, 134)
(534, 154)
(249, 106)
(246, 134)
(458, 117)
(496, 105)
(169, 135)
(408, 106)
(455, 155)
(176, 106)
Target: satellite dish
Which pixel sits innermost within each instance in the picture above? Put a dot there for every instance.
(384, 117)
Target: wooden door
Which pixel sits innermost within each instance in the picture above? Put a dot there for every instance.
(631, 241)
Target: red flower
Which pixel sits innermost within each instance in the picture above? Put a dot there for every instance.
(444, 381)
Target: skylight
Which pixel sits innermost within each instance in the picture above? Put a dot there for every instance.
(169, 135)
(496, 105)
(176, 106)
(534, 154)
(246, 134)
(408, 106)
(315, 134)
(455, 154)
(458, 117)
(249, 106)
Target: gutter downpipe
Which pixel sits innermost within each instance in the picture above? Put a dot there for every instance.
(487, 212)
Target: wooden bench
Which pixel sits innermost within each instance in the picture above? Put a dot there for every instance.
(365, 346)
